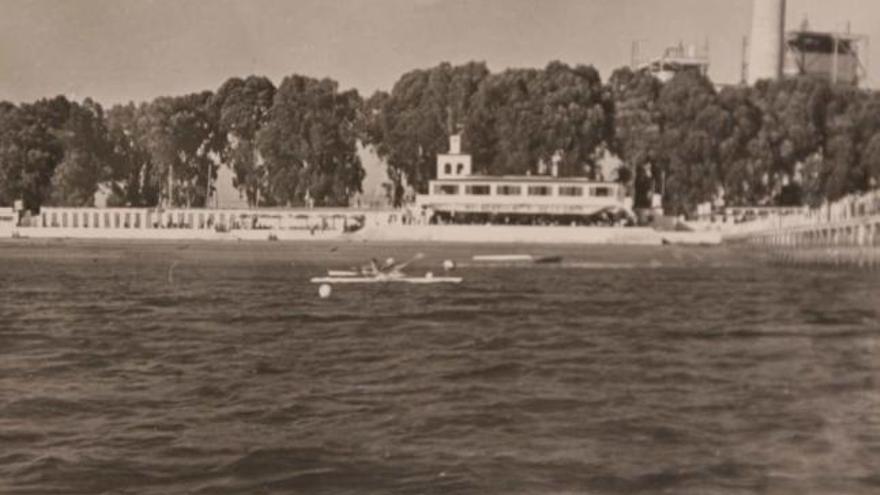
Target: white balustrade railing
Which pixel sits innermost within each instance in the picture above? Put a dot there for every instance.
(849, 208)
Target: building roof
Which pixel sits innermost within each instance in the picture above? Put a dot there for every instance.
(821, 42)
(538, 179)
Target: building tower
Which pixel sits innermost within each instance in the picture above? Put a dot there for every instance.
(766, 43)
(455, 163)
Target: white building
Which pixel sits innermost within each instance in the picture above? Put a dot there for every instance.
(459, 195)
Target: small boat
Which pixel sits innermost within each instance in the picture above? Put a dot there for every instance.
(383, 279)
(343, 273)
(547, 259)
(503, 258)
(390, 273)
(516, 258)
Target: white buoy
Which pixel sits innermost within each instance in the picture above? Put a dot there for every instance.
(429, 275)
(448, 265)
(325, 290)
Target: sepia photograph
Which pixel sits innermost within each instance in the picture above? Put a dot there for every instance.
(489, 247)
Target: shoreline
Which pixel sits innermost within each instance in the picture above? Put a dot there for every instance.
(428, 234)
(343, 254)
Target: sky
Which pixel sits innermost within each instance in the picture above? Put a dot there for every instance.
(116, 51)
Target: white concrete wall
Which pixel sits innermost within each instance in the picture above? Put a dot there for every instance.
(171, 234)
(512, 234)
(377, 229)
(519, 234)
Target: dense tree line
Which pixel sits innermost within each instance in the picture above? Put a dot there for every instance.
(783, 142)
(290, 145)
(786, 142)
(512, 122)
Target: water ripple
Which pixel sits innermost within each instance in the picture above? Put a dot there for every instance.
(689, 373)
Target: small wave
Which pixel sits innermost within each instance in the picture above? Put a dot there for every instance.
(663, 481)
(303, 318)
(43, 466)
(447, 315)
(777, 332)
(842, 317)
(264, 368)
(55, 474)
(309, 471)
(210, 392)
(871, 480)
(548, 404)
(272, 460)
(493, 372)
(493, 343)
(45, 407)
(8, 436)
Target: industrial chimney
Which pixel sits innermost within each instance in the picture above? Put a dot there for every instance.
(766, 52)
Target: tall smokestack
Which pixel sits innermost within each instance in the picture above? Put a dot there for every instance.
(768, 26)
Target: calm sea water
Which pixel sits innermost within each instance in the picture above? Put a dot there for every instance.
(215, 369)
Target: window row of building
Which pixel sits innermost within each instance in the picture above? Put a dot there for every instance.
(449, 189)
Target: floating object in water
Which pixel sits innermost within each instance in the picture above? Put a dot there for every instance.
(391, 269)
(342, 273)
(382, 279)
(589, 265)
(503, 257)
(429, 275)
(325, 290)
(448, 265)
(548, 259)
(517, 258)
